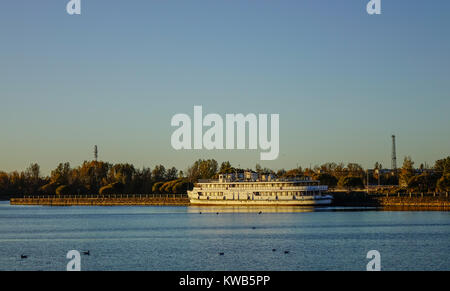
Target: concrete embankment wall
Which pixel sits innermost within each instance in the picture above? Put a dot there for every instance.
(413, 202)
(392, 200)
(106, 200)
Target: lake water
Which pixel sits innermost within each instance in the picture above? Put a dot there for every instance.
(180, 238)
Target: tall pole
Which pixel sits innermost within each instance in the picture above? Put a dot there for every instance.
(394, 155)
(96, 153)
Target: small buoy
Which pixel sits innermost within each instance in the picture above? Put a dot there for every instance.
(286, 252)
(260, 212)
(221, 254)
(217, 213)
(200, 212)
(253, 227)
(23, 256)
(274, 250)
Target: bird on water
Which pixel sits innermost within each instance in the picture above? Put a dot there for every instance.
(87, 253)
(23, 256)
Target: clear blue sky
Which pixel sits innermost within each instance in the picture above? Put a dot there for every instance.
(342, 81)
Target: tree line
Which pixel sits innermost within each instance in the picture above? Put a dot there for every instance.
(98, 177)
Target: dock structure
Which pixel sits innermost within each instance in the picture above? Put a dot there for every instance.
(104, 200)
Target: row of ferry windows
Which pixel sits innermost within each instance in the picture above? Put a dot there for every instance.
(259, 186)
(263, 193)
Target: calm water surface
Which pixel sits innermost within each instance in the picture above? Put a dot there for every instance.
(180, 238)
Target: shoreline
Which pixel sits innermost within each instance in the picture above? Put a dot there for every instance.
(353, 199)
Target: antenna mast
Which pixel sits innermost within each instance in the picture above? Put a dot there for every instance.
(394, 155)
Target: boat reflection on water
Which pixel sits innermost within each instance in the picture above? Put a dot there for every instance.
(272, 209)
(250, 209)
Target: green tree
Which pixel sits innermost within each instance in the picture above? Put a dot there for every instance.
(294, 173)
(142, 182)
(93, 175)
(18, 183)
(157, 187)
(63, 190)
(108, 189)
(442, 166)
(33, 178)
(49, 189)
(113, 188)
(421, 183)
(159, 173)
(124, 174)
(202, 169)
(443, 184)
(407, 171)
(326, 179)
(329, 168)
(226, 168)
(355, 170)
(351, 182)
(61, 174)
(4, 184)
(182, 187)
(166, 187)
(281, 173)
(33, 172)
(172, 173)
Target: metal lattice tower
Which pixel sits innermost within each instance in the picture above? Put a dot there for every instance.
(95, 152)
(394, 155)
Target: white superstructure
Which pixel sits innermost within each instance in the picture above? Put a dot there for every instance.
(252, 189)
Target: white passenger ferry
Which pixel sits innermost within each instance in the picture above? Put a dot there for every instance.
(252, 189)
